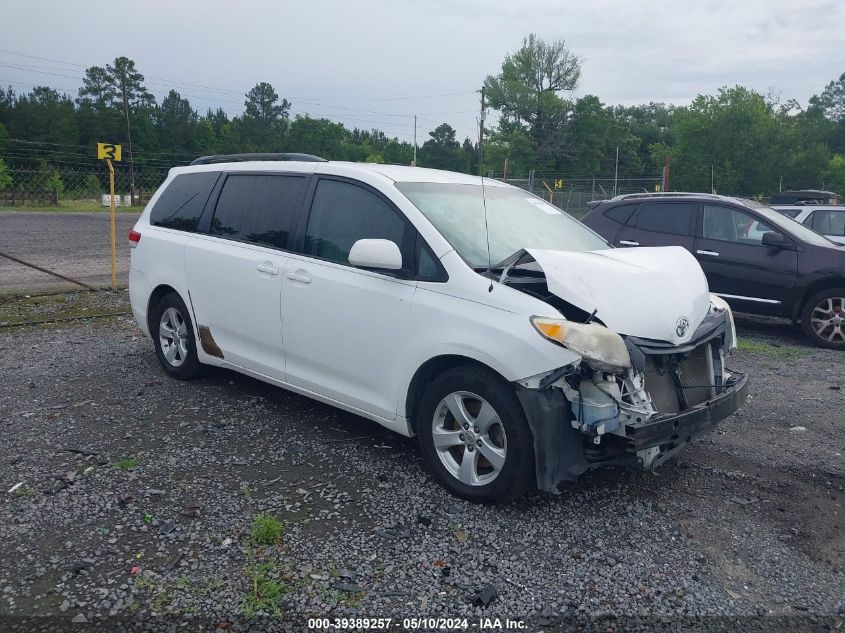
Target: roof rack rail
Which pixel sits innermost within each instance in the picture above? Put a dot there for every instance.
(668, 194)
(240, 158)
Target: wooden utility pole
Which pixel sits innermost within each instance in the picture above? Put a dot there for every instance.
(481, 136)
(128, 135)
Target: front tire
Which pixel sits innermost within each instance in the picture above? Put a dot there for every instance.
(173, 336)
(474, 436)
(823, 318)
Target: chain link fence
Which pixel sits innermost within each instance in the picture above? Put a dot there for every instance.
(51, 186)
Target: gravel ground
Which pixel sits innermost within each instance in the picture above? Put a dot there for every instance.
(76, 245)
(140, 496)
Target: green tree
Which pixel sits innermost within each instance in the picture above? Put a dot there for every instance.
(834, 174)
(177, 125)
(265, 119)
(596, 134)
(528, 91)
(317, 136)
(441, 151)
(47, 121)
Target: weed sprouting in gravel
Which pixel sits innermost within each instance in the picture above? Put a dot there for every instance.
(24, 491)
(266, 592)
(266, 530)
(128, 463)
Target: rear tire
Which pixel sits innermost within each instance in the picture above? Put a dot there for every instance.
(474, 435)
(173, 336)
(823, 318)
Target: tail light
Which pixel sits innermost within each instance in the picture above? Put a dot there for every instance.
(134, 238)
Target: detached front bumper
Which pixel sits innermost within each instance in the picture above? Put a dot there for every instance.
(671, 432)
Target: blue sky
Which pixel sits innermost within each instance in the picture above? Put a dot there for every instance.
(376, 63)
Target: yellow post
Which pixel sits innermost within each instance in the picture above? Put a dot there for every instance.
(551, 193)
(112, 213)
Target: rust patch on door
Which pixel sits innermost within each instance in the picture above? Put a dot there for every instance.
(209, 346)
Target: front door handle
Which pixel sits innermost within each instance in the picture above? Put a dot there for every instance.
(628, 243)
(707, 253)
(300, 277)
(267, 268)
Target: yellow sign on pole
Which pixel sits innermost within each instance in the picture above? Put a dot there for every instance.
(108, 151)
(559, 184)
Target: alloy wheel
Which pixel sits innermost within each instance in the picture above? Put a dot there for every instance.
(469, 438)
(173, 337)
(828, 319)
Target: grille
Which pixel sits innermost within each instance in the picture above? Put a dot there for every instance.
(696, 371)
(693, 370)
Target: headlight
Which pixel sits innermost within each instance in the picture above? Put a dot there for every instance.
(600, 347)
(721, 305)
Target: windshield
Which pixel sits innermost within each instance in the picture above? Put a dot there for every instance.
(515, 219)
(796, 228)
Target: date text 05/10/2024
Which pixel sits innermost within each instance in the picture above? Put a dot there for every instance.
(417, 624)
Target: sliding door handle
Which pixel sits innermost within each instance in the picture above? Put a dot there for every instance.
(299, 277)
(267, 268)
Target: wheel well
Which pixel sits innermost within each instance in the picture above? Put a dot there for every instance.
(155, 297)
(817, 286)
(427, 372)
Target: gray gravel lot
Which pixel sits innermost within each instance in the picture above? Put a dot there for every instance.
(77, 245)
(139, 495)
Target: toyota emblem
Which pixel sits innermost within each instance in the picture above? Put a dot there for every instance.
(682, 327)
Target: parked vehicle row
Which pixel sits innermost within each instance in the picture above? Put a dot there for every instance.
(516, 344)
(758, 259)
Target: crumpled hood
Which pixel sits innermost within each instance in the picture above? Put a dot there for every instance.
(646, 292)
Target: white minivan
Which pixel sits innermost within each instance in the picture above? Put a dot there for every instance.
(516, 344)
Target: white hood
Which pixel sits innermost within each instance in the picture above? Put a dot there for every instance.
(645, 292)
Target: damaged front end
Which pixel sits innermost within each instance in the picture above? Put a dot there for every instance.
(639, 416)
(630, 400)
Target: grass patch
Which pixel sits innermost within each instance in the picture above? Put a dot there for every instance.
(24, 491)
(266, 530)
(775, 352)
(127, 463)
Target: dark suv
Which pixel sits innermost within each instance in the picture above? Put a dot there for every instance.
(756, 258)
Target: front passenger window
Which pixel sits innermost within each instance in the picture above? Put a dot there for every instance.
(731, 225)
(342, 214)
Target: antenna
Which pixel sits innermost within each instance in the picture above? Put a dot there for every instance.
(487, 235)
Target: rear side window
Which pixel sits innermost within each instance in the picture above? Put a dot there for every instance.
(792, 213)
(257, 208)
(621, 213)
(180, 205)
(343, 213)
(828, 222)
(666, 217)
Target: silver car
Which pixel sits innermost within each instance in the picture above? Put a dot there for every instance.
(828, 220)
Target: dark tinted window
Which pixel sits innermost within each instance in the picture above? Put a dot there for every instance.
(181, 204)
(342, 214)
(257, 208)
(621, 213)
(828, 222)
(665, 217)
(792, 213)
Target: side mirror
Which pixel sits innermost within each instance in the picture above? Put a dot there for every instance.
(772, 239)
(381, 254)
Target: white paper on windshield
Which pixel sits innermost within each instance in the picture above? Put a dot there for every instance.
(544, 206)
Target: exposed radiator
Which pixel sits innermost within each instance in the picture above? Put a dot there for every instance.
(694, 370)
